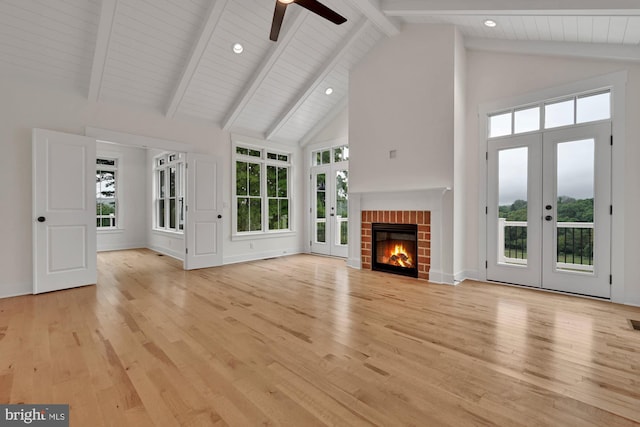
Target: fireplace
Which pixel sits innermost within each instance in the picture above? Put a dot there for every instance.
(421, 219)
(395, 248)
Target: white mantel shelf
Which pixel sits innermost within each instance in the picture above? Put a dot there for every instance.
(437, 200)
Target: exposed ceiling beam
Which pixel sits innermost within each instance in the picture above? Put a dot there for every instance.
(510, 7)
(565, 49)
(196, 56)
(105, 28)
(263, 70)
(334, 59)
(324, 122)
(371, 9)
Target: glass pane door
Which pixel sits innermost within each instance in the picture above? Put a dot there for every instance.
(341, 219)
(548, 210)
(330, 211)
(319, 184)
(576, 212)
(514, 193)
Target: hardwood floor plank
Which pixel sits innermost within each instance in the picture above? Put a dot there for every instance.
(304, 341)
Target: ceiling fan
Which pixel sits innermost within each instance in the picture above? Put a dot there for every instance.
(312, 5)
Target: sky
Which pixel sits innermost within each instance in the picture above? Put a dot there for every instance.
(574, 175)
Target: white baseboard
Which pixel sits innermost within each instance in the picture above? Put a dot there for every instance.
(261, 255)
(436, 276)
(354, 263)
(168, 252)
(466, 274)
(17, 290)
(107, 248)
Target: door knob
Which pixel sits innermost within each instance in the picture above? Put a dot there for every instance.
(219, 216)
(548, 217)
(41, 219)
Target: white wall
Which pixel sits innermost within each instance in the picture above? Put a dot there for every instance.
(131, 187)
(402, 97)
(495, 76)
(336, 129)
(459, 159)
(27, 104)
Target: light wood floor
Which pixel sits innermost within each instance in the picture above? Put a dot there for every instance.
(305, 341)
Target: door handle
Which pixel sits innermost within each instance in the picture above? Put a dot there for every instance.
(332, 214)
(548, 217)
(548, 207)
(41, 219)
(219, 216)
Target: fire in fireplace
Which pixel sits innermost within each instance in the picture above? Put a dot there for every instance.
(395, 248)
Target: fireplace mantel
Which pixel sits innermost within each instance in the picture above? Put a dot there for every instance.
(438, 201)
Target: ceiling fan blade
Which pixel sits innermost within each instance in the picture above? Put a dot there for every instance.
(318, 8)
(278, 16)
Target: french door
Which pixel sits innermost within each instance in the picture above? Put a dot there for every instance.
(549, 210)
(329, 210)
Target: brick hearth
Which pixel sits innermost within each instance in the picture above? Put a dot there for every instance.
(421, 218)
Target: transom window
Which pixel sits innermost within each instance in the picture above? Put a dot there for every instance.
(551, 114)
(329, 155)
(106, 193)
(262, 190)
(169, 192)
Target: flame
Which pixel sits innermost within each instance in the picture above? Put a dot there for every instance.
(398, 255)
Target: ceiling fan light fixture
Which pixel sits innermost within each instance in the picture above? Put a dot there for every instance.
(490, 23)
(238, 48)
(286, 1)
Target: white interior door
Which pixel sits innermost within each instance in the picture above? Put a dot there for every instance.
(204, 212)
(548, 212)
(64, 211)
(329, 211)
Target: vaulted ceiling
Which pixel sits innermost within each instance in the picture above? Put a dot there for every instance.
(175, 56)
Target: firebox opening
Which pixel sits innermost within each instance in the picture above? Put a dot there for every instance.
(395, 248)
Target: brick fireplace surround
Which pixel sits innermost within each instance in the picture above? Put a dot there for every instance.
(421, 218)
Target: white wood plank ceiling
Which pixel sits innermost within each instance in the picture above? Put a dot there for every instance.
(175, 56)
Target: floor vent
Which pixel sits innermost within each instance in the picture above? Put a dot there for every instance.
(635, 324)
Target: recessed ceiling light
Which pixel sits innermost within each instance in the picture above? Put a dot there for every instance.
(238, 48)
(329, 91)
(490, 23)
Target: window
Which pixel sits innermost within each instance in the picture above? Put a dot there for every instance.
(262, 190)
(323, 157)
(555, 113)
(106, 193)
(169, 192)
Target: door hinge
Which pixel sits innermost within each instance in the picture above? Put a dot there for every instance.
(610, 279)
(186, 208)
(611, 139)
(486, 264)
(186, 165)
(486, 210)
(186, 250)
(310, 242)
(610, 209)
(486, 155)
